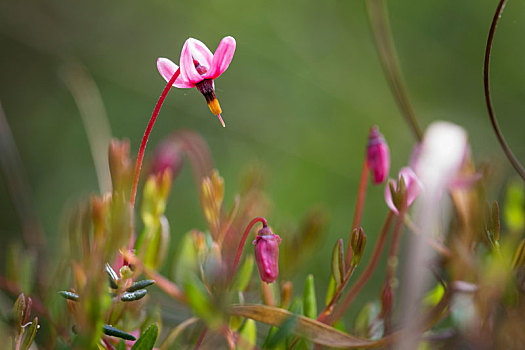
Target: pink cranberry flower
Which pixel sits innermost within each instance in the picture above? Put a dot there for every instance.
(199, 67)
(267, 254)
(414, 187)
(377, 156)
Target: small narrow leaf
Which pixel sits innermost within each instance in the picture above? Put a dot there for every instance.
(247, 335)
(147, 339)
(242, 278)
(69, 295)
(330, 291)
(139, 294)
(114, 332)
(30, 335)
(140, 285)
(309, 299)
(19, 309)
(337, 262)
(112, 277)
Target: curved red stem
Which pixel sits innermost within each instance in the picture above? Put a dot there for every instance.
(142, 149)
(243, 242)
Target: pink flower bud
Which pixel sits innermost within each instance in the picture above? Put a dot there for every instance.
(377, 156)
(267, 254)
(168, 155)
(413, 188)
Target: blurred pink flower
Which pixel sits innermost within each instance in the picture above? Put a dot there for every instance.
(267, 254)
(377, 156)
(413, 186)
(199, 67)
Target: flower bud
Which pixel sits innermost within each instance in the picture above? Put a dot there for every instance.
(358, 243)
(168, 155)
(267, 254)
(377, 156)
(404, 192)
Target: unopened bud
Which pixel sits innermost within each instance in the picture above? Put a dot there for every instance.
(120, 165)
(358, 244)
(377, 156)
(267, 254)
(167, 156)
(404, 192)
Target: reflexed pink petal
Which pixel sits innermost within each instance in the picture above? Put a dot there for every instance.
(187, 67)
(414, 186)
(200, 52)
(388, 196)
(167, 68)
(222, 58)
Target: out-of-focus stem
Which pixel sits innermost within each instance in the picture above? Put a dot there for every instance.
(378, 17)
(94, 117)
(20, 193)
(391, 266)
(486, 84)
(367, 273)
(243, 242)
(146, 136)
(358, 213)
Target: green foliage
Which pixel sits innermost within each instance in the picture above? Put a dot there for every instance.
(147, 339)
(309, 298)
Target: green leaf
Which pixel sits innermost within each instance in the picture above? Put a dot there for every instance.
(112, 276)
(19, 310)
(247, 335)
(115, 332)
(121, 345)
(514, 207)
(69, 295)
(140, 285)
(139, 294)
(309, 299)
(30, 335)
(201, 304)
(186, 262)
(338, 263)
(310, 329)
(147, 339)
(244, 274)
(330, 291)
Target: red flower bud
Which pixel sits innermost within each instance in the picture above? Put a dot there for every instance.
(377, 156)
(267, 254)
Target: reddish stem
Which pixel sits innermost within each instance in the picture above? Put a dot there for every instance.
(358, 213)
(243, 242)
(147, 133)
(393, 251)
(201, 338)
(367, 273)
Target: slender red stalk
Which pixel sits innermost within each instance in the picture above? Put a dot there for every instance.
(359, 205)
(243, 242)
(201, 338)
(367, 273)
(147, 133)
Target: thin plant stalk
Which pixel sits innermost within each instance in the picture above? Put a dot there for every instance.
(145, 138)
(378, 17)
(391, 266)
(94, 118)
(358, 213)
(365, 276)
(486, 84)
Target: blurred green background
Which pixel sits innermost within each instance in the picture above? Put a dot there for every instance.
(302, 91)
